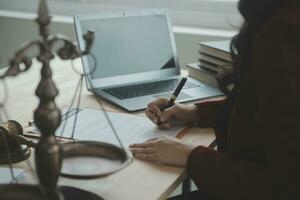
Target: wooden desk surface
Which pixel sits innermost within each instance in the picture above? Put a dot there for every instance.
(140, 180)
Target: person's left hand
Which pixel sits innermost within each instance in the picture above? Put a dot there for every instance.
(163, 150)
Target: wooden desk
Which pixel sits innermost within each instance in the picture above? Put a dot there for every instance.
(140, 180)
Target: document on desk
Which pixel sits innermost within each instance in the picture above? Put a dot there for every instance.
(5, 175)
(92, 125)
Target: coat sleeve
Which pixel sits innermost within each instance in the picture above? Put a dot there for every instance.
(207, 110)
(276, 70)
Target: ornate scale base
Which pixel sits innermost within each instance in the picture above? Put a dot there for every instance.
(92, 159)
(47, 117)
(71, 193)
(32, 192)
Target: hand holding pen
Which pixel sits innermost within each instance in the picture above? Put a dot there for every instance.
(155, 111)
(173, 97)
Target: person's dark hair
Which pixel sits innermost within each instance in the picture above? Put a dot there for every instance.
(255, 14)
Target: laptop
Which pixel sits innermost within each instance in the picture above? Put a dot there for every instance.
(136, 59)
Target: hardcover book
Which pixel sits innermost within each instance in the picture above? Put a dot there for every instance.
(196, 72)
(217, 49)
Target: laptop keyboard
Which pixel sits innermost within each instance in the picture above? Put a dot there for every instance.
(131, 91)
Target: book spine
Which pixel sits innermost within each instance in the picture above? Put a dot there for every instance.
(216, 53)
(214, 68)
(203, 76)
(213, 60)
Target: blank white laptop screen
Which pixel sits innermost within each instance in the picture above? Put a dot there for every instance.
(130, 45)
(136, 58)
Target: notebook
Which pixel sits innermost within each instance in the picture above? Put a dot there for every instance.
(92, 125)
(6, 178)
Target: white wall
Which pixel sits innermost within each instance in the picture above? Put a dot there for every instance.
(15, 31)
(193, 20)
(213, 14)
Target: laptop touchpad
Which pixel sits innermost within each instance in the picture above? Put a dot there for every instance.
(167, 95)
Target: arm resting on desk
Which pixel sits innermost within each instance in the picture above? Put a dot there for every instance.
(276, 123)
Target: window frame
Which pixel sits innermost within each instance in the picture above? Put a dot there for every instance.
(217, 15)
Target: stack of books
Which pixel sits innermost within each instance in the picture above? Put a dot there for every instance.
(214, 61)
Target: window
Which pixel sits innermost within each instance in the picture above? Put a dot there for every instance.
(218, 14)
(204, 14)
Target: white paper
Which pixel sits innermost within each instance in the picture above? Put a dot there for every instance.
(6, 178)
(92, 125)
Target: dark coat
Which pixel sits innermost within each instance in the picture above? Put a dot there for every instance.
(262, 159)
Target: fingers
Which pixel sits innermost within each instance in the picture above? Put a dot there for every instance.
(164, 126)
(161, 102)
(144, 151)
(152, 116)
(147, 157)
(136, 151)
(156, 105)
(143, 145)
(153, 112)
(148, 153)
(168, 113)
(154, 119)
(154, 108)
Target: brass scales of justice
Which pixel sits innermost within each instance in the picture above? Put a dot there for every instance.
(49, 153)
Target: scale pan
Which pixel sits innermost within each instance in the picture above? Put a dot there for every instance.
(18, 154)
(34, 192)
(91, 159)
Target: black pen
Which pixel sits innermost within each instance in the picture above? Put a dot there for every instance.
(173, 97)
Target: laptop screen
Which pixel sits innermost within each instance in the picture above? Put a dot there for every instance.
(130, 44)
